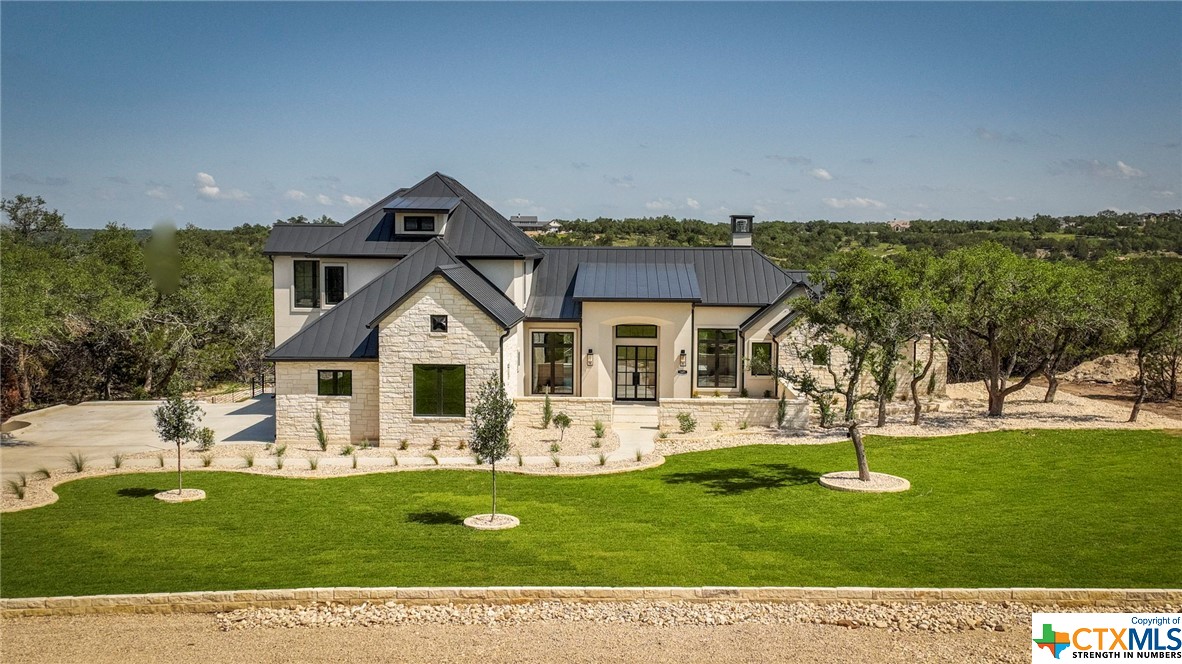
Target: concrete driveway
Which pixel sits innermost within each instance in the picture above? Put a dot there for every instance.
(101, 428)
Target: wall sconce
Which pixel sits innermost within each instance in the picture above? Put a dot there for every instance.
(681, 360)
(590, 357)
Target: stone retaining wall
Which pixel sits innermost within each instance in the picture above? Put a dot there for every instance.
(757, 412)
(209, 602)
(583, 411)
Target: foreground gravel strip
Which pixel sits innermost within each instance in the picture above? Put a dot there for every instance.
(942, 618)
(195, 638)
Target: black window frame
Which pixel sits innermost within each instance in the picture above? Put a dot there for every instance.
(436, 372)
(296, 287)
(714, 343)
(545, 345)
(439, 323)
(423, 223)
(769, 370)
(340, 382)
(344, 278)
(635, 331)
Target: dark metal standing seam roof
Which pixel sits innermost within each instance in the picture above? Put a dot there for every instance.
(784, 323)
(297, 238)
(637, 281)
(342, 333)
(439, 203)
(727, 276)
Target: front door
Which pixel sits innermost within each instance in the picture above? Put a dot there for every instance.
(636, 373)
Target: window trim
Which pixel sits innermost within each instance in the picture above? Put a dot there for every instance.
(698, 341)
(770, 359)
(337, 375)
(437, 368)
(533, 364)
(324, 303)
(316, 285)
(420, 219)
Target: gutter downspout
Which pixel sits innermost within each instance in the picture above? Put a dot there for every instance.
(501, 350)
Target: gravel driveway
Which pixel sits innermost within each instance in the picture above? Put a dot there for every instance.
(196, 638)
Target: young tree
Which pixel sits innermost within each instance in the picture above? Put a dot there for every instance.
(490, 428)
(1148, 297)
(29, 219)
(176, 422)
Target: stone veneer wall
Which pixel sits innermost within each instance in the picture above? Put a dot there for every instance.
(583, 411)
(405, 339)
(757, 412)
(345, 419)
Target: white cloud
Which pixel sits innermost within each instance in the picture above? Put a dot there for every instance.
(623, 181)
(997, 136)
(858, 202)
(790, 159)
(1003, 199)
(821, 174)
(1128, 171)
(1162, 194)
(660, 204)
(323, 200)
(295, 195)
(158, 193)
(519, 202)
(208, 189)
(356, 202)
(693, 204)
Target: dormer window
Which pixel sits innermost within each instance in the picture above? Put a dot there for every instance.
(419, 223)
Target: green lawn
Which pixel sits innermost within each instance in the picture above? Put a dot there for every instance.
(1025, 508)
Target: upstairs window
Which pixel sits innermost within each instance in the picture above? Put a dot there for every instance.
(334, 284)
(307, 284)
(418, 224)
(334, 383)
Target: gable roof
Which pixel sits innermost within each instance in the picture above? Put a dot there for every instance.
(348, 332)
(473, 230)
(677, 282)
(297, 238)
(784, 323)
(727, 276)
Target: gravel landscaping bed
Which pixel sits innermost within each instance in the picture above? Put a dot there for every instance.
(941, 617)
(532, 439)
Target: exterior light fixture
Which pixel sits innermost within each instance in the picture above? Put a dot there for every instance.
(590, 357)
(681, 359)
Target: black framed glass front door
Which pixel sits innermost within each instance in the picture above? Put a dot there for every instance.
(636, 373)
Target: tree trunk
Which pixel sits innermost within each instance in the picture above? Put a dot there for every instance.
(24, 386)
(493, 516)
(180, 483)
(996, 401)
(1141, 388)
(1052, 386)
(917, 379)
(882, 408)
(860, 450)
(915, 415)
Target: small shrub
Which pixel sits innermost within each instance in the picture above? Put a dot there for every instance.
(556, 460)
(318, 429)
(562, 421)
(639, 456)
(365, 444)
(433, 458)
(600, 430)
(248, 457)
(767, 394)
(404, 444)
(596, 444)
(18, 486)
(717, 394)
(554, 448)
(547, 412)
(313, 463)
(394, 457)
(160, 459)
(78, 462)
(520, 459)
(205, 438)
(931, 384)
(744, 424)
(781, 411)
(686, 422)
(354, 461)
(463, 445)
(206, 460)
(347, 450)
(662, 434)
(435, 443)
(118, 458)
(280, 450)
(743, 393)
(279, 463)
(268, 446)
(479, 459)
(718, 425)
(695, 395)
(43, 473)
(602, 459)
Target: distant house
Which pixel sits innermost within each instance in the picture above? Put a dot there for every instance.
(900, 225)
(388, 325)
(531, 226)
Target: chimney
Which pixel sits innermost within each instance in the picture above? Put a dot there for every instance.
(741, 227)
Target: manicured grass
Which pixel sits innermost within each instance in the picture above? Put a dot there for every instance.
(1024, 508)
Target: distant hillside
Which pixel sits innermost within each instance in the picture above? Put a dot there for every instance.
(804, 244)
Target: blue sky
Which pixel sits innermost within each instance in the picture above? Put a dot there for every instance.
(222, 114)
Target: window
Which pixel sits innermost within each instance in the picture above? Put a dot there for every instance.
(307, 284)
(418, 223)
(333, 383)
(636, 331)
(439, 323)
(820, 355)
(554, 363)
(439, 390)
(718, 356)
(334, 284)
(761, 358)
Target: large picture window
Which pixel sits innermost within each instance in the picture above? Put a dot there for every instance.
(761, 358)
(307, 284)
(439, 390)
(553, 363)
(334, 284)
(334, 383)
(718, 357)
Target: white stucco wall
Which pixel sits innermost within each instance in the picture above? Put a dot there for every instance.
(673, 335)
(288, 319)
